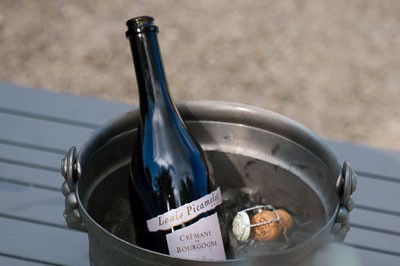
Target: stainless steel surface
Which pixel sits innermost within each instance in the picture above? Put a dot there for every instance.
(248, 147)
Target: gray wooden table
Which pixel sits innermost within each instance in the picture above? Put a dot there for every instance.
(37, 128)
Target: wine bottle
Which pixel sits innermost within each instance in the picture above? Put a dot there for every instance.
(176, 204)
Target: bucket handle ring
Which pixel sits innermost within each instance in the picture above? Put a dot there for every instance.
(345, 186)
(72, 213)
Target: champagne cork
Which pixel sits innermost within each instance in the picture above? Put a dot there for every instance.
(276, 226)
(286, 219)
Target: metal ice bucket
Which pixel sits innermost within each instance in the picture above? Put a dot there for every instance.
(249, 147)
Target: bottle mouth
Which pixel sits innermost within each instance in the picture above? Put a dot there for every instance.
(140, 24)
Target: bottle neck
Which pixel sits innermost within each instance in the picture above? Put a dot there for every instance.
(151, 79)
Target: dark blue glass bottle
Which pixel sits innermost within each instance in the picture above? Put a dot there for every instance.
(172, 185)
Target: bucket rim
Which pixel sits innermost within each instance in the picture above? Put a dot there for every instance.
(216, 111)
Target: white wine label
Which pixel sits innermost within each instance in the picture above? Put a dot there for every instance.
(185, 212)
(201, 240)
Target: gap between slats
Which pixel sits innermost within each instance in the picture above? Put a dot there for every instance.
(31, 146)
(48, 118)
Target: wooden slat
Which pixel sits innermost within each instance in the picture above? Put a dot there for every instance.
(387, 243)
(370, 160)
(38, 158)
(40, 132)
(375, 220)
(377, 193)
(63, 106)
(43, 243)
(14, 172)
(30, 203)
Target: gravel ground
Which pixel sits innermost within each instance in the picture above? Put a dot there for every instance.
(332, 65)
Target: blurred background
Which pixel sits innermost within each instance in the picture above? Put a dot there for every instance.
(333, 66)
